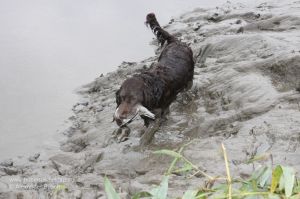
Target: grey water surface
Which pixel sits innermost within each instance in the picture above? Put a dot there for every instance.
(49, 48)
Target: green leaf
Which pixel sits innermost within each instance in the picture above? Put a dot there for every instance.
(289, 180)
(60, 187)
(141, 195)
(265, 177)
(109, 190)
(161, 191)
(297, 188)
(190, 194)
(187, 167)
(264, 156)
(256, 175)
(202, 195)
(254, 185)
(273, 196)
(221, 187)
(168, 152)
(276, 175)
(295, 196)
(174, 162)
(281, 183)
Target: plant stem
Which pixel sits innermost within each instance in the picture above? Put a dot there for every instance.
(177, 159)
(228, 172)
(245, 194)
(174, 162)
(197, 168)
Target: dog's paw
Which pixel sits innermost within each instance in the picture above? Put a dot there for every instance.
(121, 134)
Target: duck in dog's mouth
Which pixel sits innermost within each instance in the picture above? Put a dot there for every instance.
(140, 110)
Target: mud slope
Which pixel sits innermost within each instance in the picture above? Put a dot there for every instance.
(245, 94)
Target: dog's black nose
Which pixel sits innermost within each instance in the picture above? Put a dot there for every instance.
(119, 122)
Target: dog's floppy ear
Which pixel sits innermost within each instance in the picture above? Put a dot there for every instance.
(118, 98)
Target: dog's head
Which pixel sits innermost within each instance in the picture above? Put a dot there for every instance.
(130, 98)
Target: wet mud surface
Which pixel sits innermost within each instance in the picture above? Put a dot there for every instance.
(245, 94)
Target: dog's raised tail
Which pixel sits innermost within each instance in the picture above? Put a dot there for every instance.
(161, 35)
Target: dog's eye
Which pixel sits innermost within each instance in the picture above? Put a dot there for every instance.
(132, 98)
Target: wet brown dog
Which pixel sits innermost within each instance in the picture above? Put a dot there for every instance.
(151, 92)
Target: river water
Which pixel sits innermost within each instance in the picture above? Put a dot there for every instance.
(49, 48)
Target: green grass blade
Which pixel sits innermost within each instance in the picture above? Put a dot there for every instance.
(161, 191)
(297, 188)
(265, 177)
(256, 158)
(276, 175)
(289, 180)
(190, 194)
(142, 194)
(258, 173)
(202, 195)
(295, 196)
(186, 168)
(174, 162)
(109, 190)
(168, 152)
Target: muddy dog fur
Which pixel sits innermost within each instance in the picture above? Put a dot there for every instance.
(156, 88)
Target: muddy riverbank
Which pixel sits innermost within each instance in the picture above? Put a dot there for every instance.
(245, 94)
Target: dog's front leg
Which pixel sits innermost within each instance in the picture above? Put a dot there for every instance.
(152, 127)
(150, 131)
(121, 134)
